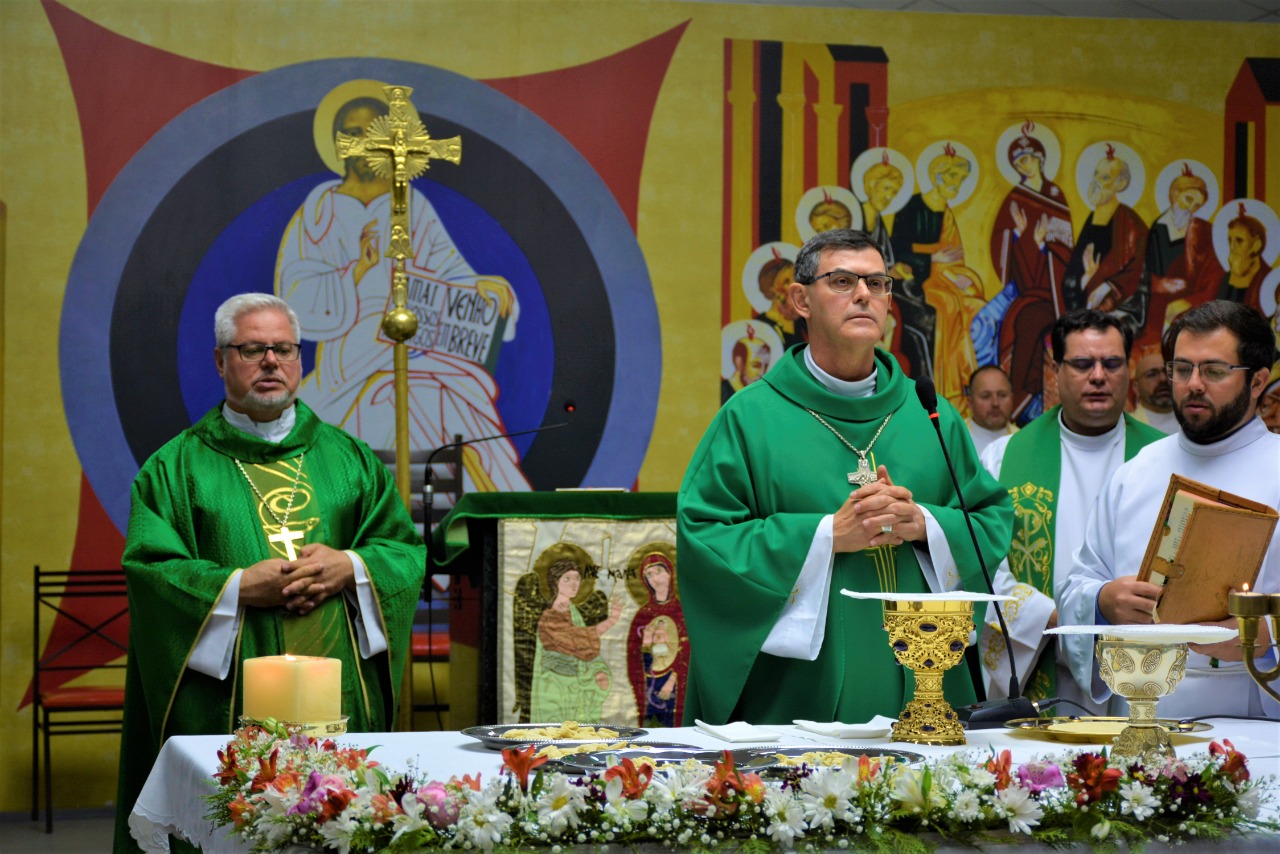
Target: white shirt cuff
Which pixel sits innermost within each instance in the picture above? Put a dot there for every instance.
(369, 631)
(217, 643)
(800, 628)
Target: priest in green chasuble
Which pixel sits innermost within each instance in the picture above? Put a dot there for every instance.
(825, 475)
(260, 530)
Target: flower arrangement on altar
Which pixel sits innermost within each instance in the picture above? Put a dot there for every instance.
(277, 790)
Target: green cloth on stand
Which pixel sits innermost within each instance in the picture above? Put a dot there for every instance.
(195, 520)
(760, 481)
(451, 546)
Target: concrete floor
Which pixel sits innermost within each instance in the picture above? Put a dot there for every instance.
(74, 832)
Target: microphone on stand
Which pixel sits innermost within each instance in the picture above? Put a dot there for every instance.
(991, 713)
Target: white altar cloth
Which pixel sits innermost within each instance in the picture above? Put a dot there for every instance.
(171, 801)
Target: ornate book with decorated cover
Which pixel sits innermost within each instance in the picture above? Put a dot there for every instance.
(1206, 542)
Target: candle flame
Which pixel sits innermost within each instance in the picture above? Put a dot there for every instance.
(1245, 587)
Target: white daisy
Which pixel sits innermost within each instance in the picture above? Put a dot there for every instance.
(559, 804)
(825, 797)
(1020, 808)
(786, 816)
(968, 806)
(1138, 800)
(481, 821)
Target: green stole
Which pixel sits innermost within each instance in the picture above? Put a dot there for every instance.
(325, 632)
(1032, 470)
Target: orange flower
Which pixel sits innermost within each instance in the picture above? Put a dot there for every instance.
(241, 811)
(725, 784)
(467, 782)
(1092, 777)
(868, 768)
(1234, 766)
(230, 772)
(634, 780)
(286, 780)
(266, 772)
(999, 766)
(521, 762)
(384, 807)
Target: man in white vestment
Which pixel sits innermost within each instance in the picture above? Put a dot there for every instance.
(334, 270)
(1155, 393)
(1220, 355)
(990, 406)
(1054, 468)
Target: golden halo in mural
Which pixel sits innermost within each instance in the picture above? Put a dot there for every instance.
(635, 581)
(564, 551)
(322, 123)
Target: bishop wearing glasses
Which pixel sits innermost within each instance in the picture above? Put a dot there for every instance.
(260, 530)
(826, 474)
(1220, 357)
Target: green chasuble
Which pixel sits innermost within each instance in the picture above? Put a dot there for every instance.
(1032, 471)
(195, 519)
(761, 480)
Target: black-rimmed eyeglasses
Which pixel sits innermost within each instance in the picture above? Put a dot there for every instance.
(286, 351)
(844, 282)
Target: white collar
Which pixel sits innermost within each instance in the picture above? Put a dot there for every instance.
(1091, 443)
(272, 431)
(864, 387)
(1245, 435)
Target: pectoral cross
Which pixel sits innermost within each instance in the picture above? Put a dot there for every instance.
(287, 537)
(863, 475)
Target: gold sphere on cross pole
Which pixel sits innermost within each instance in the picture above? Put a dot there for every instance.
(400, 324)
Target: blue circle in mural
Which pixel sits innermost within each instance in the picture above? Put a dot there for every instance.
(198, 214)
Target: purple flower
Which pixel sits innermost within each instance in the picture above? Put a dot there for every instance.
(438, 806)
(1035, 777)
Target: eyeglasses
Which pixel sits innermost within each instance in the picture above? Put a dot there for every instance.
(844, 282)
(1110, 364)
(286, 351)
(1210, 372)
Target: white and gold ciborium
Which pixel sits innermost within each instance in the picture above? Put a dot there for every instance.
(928, 633)
(1143, 663)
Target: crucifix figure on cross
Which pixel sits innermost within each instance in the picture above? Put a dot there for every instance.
(287, 538)
(863, 475)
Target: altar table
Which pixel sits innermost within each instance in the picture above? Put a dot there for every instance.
(171, 801)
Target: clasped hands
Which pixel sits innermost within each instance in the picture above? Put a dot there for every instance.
(1128, 601)
(861, 521)
(298, 585)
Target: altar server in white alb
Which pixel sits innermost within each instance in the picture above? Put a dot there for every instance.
(1054, 469)
(1219, 357)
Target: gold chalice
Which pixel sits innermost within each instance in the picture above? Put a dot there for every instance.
(928, 633)
(928, 637)
(1142, 671)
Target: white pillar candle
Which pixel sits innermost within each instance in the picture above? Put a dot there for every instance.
(295, 688)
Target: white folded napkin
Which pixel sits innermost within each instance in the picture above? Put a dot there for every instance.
(737, 731)
(877, 727)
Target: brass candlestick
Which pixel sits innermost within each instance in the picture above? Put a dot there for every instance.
(1248, 609)
(1142, 671)
(928, 637)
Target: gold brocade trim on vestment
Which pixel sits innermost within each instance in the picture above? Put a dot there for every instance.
(1031, 552)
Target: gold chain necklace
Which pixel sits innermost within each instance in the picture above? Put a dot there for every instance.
(864, 474)
(285, 536)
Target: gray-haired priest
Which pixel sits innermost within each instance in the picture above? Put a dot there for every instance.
(773, 518)
(260, 530)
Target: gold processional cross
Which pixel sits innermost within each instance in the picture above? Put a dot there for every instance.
(398, 146)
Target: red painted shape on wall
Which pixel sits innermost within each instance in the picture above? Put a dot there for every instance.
(621, 91)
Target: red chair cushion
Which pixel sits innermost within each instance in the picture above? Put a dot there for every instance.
(432, 646)
(83, 697)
